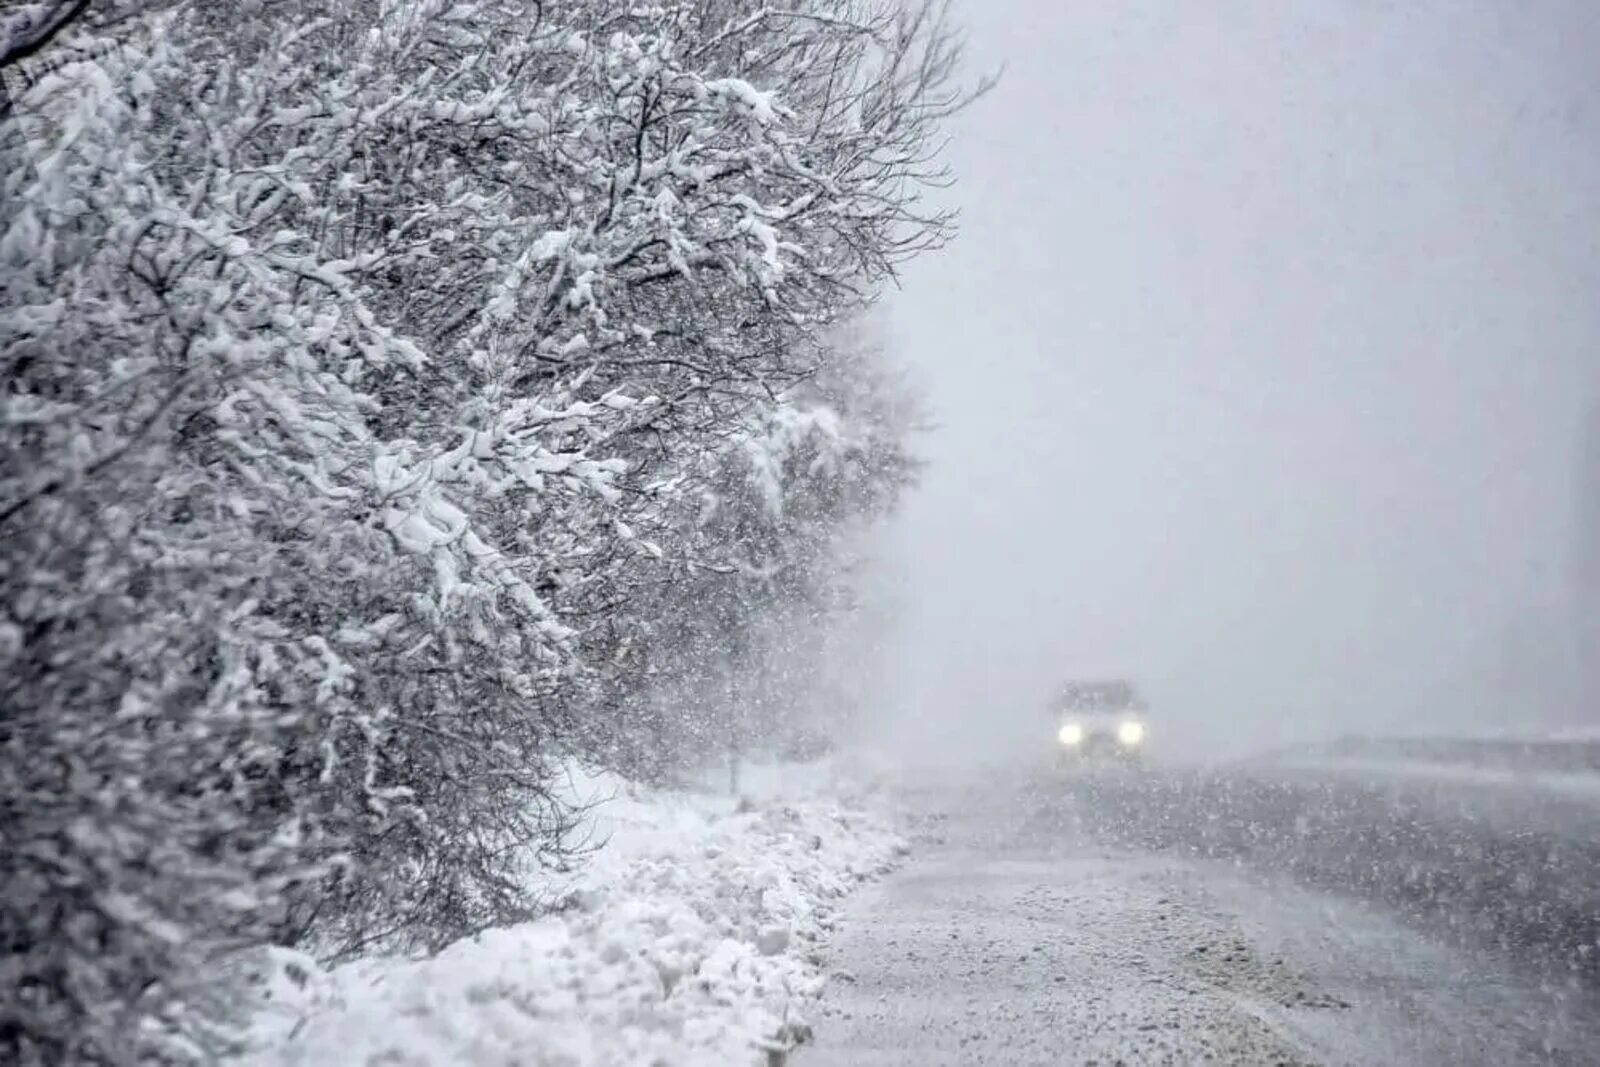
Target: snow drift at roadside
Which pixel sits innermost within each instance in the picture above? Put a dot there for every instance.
(690, 937)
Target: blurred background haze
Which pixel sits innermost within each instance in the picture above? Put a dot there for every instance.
(1264, 372)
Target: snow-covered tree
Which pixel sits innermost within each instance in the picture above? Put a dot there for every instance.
(371, 372)
(763, 557)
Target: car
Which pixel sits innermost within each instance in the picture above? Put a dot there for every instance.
(1100, 722)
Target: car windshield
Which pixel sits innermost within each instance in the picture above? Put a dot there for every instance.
(1097, 697)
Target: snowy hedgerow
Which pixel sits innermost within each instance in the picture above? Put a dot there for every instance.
(386, 386)
(762, 554)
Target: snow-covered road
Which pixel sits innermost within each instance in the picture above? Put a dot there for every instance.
(1164, 919)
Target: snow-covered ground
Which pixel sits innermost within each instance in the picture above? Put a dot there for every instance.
(691, 939)
(1569, 763)
(1575, 783)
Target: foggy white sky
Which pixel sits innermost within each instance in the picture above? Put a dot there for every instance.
(1259, 363)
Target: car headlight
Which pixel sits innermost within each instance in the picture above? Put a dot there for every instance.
(1131, 733)
(1070, 734)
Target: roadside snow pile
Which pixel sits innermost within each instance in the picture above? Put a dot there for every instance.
(688, 939)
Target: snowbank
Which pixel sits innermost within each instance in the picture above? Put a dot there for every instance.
(689, 939)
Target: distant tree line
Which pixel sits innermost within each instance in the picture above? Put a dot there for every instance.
(398, 397)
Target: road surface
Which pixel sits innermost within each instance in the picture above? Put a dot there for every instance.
(1248, 916)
